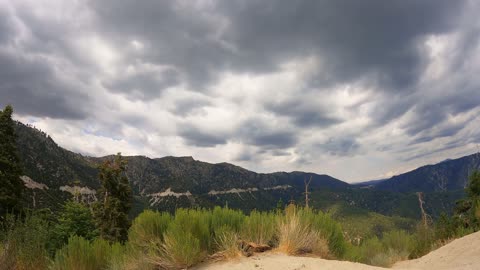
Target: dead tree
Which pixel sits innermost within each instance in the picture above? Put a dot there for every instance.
(306, 190)
(421, 202)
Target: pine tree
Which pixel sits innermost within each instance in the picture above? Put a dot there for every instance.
(115, 201)
(11, 186)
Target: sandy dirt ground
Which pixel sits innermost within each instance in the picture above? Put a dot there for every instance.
(463, 253)
(274, 261)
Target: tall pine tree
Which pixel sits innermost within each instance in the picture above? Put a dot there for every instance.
(11, 186)
(114, 202)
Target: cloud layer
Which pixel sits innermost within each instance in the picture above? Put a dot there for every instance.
(358, 90)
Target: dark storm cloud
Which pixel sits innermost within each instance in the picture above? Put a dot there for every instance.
(29, 78)
(59, 66)
(275, 139)
(435, 110)
(265, 135)
(253, 132)
(450, 145)
(144, 85)
(341, 146)
(194, 136)
(33, 88)
(303, 114)
(447, 131)
(353, 39)
(246, 155)
(6, 26)
(175, 34)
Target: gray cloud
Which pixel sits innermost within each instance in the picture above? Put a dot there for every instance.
(436, 109)
(353, 38)
(189, 106)
(32, 86)
(194, 136)
(261, 133)
(303, 114)
(371, 38)
(143, 85)
(340, 146)
(50, 67)
(6, 26)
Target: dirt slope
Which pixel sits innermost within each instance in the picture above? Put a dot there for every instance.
(463, 253)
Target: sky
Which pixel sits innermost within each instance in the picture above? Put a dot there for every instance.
(359, 90)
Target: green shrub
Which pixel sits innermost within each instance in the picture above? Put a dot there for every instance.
(424, 241)
(370, 248)
(190, 235)
(118, 257)
(82, 254)
(24, 243)
(400, 242)
(74, 219)
(386, 258)
(260, 228)
(196, 222)
(132, 258)
(392, 247)
(225, 217)
(326, 227)
(148, 226)
(180, 249)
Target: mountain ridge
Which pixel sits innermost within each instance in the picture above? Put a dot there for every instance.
(447, 175)
(169, 182)
(174, 181)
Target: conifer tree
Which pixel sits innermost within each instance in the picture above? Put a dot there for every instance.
(114, 202)
(11, 186)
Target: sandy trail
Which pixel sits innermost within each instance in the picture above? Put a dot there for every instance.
(463, 253)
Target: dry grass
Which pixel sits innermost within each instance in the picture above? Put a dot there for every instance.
(294, 237)
(320, 248)
(227, 243)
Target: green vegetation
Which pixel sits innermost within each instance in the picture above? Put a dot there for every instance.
(24, 243)
(386, 247)
(75, 219)
(81, 254)
(159, 239)
(111, 210)
(260, 228)
(466, 217)
(11, 187)
(162, 240)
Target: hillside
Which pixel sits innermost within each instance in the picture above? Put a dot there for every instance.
(54, 174)
(448, 175)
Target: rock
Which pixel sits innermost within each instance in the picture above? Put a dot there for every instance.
(249, 248)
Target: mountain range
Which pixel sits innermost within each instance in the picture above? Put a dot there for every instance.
(53, 174)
